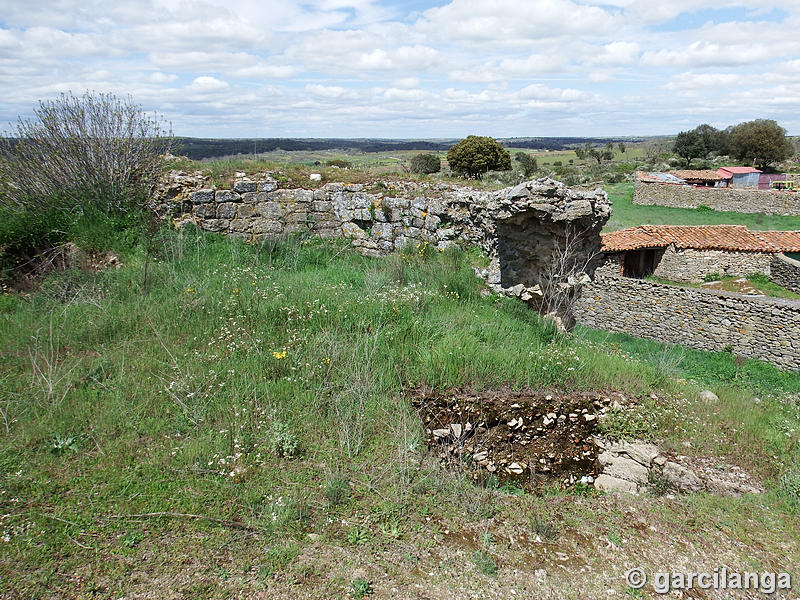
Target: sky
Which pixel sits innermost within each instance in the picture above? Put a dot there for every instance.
(413, 69)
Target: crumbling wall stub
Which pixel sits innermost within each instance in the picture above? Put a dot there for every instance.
(520, 228)
(545, 230)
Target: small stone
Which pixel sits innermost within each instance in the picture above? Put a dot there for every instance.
(708, 396)
(682, 478)
(588, 418)
(606, 483)
(514, 468)
(479, 456)
(456, 428)
(441, 433)
(315, 176)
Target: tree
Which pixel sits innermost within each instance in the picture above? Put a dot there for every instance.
(91, 151)
(528, 163)
(475, 155)
(621, 147)
(689, 145)
(760, 142)
(426, 163)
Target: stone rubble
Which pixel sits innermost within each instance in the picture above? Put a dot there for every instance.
(634, 468)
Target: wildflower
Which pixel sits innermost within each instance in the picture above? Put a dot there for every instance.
(279, 355)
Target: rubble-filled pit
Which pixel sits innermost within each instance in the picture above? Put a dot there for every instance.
(529, 438)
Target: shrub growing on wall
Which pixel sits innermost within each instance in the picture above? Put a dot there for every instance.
(426, 163)
(476, 155)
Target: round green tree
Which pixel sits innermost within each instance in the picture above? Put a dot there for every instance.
(760, 142)
(475, 155)
(426, 163)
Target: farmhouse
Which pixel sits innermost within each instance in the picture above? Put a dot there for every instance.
(689, 253)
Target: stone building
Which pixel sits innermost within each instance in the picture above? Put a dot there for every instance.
(689, 253)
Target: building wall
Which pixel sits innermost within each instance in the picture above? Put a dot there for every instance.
(785, 272)
(764, 328)
(691, 266)
(724, 199)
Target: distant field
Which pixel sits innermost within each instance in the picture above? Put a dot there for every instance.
(626, 214)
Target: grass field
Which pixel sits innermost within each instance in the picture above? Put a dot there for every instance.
(230, 420)
(626, 214)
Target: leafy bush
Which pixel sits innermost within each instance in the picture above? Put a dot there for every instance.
(528, 163)
(339, 163)
(426, 163)
(476, 155)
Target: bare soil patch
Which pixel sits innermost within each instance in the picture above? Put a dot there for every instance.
(530, 438)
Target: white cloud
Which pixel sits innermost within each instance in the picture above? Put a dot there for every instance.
(208, 84)
(374, 68)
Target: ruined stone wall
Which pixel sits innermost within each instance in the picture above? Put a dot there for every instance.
(764, 328)
(785, 272)
(691, 266)
(519, 227)
(724, 199)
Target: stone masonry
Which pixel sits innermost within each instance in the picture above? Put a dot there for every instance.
(687, 265)
(785, 272)
(723, 199)
(754, 327)
(517, 227)
(690, 265)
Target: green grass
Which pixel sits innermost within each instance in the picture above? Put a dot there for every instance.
(211, 417)
(626, 214)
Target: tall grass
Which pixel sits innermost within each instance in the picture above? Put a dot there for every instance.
(237, 378)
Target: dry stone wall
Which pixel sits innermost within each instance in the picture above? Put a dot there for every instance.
(724, 199)
(764, 328)
(691, 266)
(517, 227)
(785, 272)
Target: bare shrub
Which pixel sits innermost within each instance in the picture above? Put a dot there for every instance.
(561, 282)
(94, 147)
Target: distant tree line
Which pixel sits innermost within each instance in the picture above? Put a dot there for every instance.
(199, 148)
(760, 142)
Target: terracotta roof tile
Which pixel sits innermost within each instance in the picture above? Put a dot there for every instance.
(703, 175)
(786, 241)
(703, 237)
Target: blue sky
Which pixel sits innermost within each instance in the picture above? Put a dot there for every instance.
(372, 68)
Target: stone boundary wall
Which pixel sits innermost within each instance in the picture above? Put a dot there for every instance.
(723, 199)
(519, 228)
(691, 266)
(764, 328)
(785, 272)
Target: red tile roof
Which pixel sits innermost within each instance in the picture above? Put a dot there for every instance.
(701, 175)
(703, 237)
